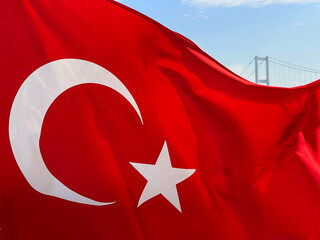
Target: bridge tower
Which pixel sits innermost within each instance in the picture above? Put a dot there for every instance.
(258, 62)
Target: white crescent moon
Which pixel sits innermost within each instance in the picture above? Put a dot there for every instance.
(29, 108)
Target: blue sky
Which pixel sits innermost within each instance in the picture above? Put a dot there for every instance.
(234, 31)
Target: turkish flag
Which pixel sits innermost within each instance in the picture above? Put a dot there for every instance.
(114, 127)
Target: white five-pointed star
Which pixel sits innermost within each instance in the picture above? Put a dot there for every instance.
(162, 178)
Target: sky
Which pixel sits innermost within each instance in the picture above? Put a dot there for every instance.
(234, 31)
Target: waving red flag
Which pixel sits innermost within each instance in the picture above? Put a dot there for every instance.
(114, 127)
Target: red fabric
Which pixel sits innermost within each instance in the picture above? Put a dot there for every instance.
(255, 149)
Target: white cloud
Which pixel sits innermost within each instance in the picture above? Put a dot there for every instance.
(299, 24)
(305, 22)
(251, 3)
(200, 14)
(237, 68)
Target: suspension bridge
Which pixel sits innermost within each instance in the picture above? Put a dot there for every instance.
(274, 72)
